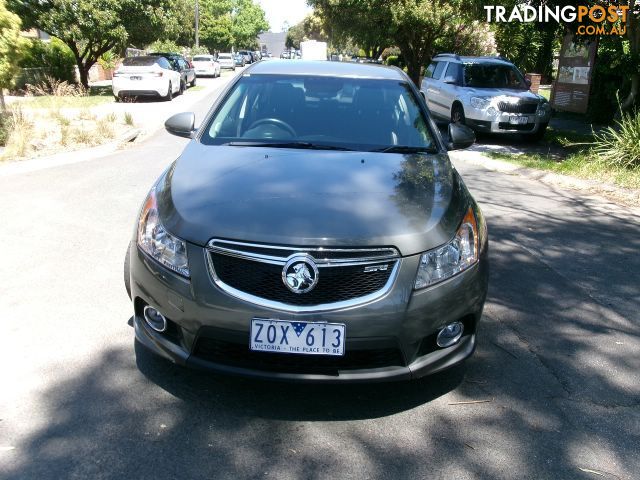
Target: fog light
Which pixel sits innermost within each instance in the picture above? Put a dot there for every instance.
(156, 320)
(450, 334)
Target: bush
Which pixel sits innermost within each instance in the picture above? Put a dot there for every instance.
(619, 146)
(5, 126)
(40, 59)
(395, 60)
(164, 46)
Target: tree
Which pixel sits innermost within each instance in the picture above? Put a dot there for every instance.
(92, 27)
(248, 22)
(10, 42)
(633, 36)
(413, 25)
(216, 24)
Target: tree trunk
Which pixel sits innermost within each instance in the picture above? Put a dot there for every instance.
(413, 70)
(2, 104)
(84, 74)
(633, 34)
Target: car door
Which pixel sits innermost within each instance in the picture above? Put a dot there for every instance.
(449, 85)
(431, 86)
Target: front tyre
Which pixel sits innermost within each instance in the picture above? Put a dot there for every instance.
(457, 114)
(539, 134)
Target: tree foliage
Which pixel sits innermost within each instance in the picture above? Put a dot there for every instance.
(415, 26)
(312, 27)
(10, 42)
(92, 27)
(225, 23)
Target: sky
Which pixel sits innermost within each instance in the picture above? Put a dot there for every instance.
(279, 11)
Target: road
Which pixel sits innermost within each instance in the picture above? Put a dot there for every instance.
(552, 391)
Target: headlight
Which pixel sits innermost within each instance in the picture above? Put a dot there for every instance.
(159, 244)
(479, 102)
(456, 256)
(543, 109)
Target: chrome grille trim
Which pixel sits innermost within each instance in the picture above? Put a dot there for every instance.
(385, 255)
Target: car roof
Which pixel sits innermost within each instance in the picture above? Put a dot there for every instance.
(469, 59)
(326, 68)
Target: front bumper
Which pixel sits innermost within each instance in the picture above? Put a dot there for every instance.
(392, 338)
(479, 121)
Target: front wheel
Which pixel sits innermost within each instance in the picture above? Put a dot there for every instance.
(457, 114)
(539, 134)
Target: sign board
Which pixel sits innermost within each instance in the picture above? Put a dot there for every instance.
(575, 68)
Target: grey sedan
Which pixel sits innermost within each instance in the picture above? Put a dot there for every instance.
(313, 229)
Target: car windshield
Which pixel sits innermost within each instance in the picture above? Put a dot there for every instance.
(224, 55)
(320, 112)
(493, 75)
(139, 61)
(202, 58)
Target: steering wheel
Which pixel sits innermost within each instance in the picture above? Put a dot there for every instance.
(274, 121)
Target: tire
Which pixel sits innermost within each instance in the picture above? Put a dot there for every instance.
(539, 135)
(117, 98)
(193, 83)
(127, 271)
(183, 87)
(457, 114)
(169, 96)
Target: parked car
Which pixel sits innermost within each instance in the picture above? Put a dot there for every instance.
(489, 94)
(248, 58)
(207, 65)
(146, 76)
(182, 65)
(239, 59)
(227, 61)
(313, 229)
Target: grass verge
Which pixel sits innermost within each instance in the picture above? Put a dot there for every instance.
(582, 164)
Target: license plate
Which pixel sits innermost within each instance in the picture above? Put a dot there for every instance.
(306, 338)
(518, 120)
(135, 78)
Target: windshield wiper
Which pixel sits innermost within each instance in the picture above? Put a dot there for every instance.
(405, 149)
(302, 145)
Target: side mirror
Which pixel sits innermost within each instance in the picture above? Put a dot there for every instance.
(450, 80)
(460, 136)
(181, 124)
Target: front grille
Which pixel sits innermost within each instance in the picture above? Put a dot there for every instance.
(520, 128)
(238, 355)
(264, 280)
(256, 271)
(517, 107)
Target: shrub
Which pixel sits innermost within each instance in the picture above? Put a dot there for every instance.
(166, 46)
(40, 59)
(394, 60)
(5, 125)
(52, 86)
(619, 145)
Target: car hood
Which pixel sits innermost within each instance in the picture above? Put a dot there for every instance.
(521, 95)
(312, 197)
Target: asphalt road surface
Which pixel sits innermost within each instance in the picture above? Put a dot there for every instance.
(553, 390)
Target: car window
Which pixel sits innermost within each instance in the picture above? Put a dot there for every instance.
(452, 71)
(139, 61)
(202, 58)
(437, 73)
(353, 113)
(163, 62)
(493, 75)
(429, 71)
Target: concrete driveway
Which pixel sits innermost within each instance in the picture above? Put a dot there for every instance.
(552, 391)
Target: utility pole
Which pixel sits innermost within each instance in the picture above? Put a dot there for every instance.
(197, 25)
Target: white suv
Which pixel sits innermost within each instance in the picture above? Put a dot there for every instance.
(146, 76)
(488, 94)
